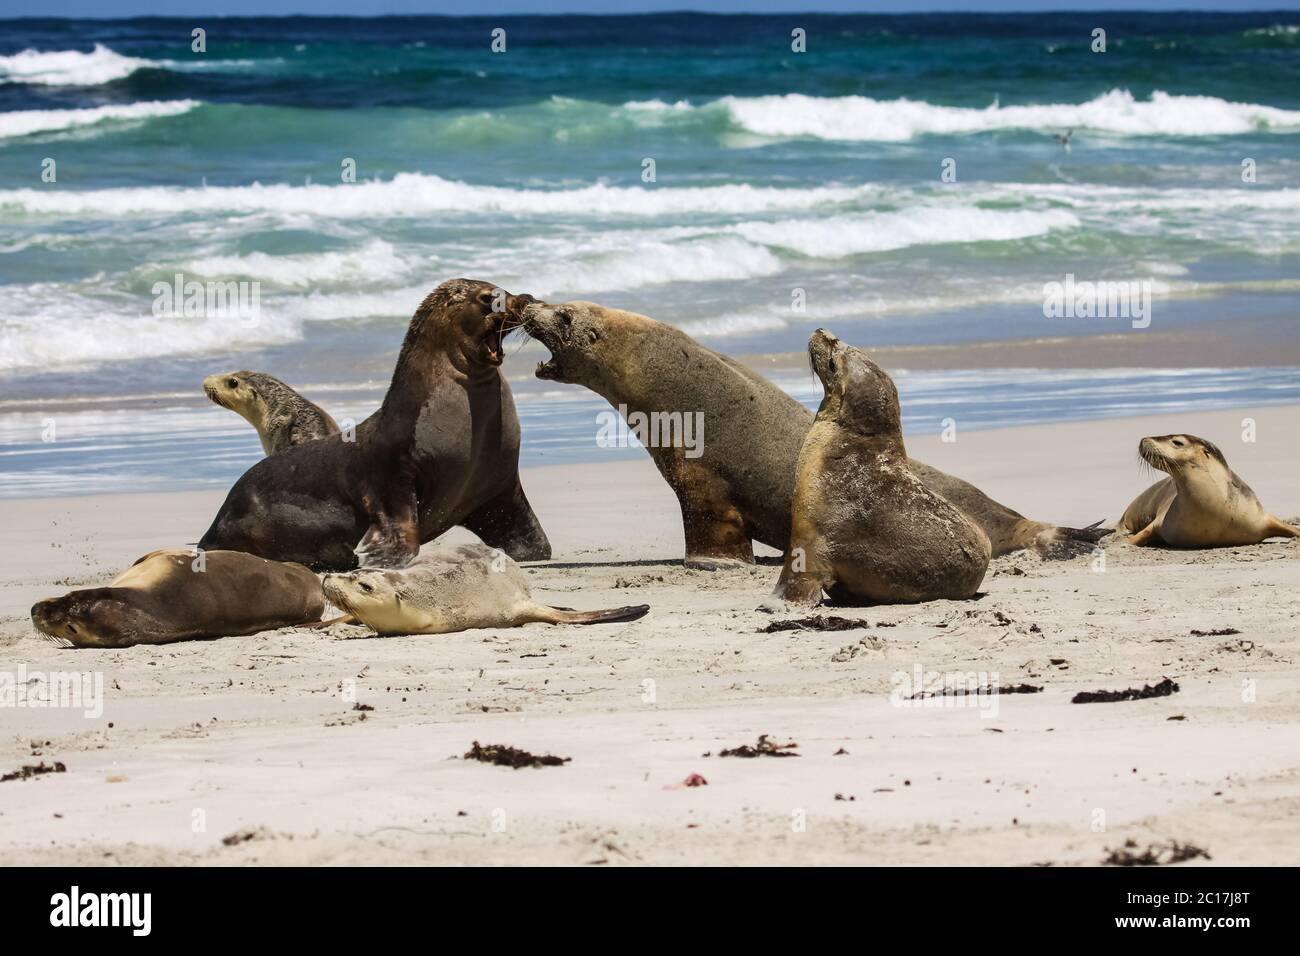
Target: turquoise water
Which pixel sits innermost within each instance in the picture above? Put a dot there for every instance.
(775, 171)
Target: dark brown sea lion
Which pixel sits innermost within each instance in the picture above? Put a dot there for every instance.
(1202, 504)
(864, 528)
(739, 489)
(281, 416)
(442, 450)
(175, 595)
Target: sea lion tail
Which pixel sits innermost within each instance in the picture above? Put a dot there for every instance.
(1061, 544)
(564, 615)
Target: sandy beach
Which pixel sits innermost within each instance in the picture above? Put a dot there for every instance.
(252, 749)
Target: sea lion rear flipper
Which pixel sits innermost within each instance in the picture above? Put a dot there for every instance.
(393, 538)
(1057, 543)
(508, 522)
(612, 615)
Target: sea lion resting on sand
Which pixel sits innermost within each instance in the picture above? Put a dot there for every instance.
(281, 416)
(1202, 504)
(442, 450)
(738, 488)
(864, 528)
(175, 595)
(453, 589)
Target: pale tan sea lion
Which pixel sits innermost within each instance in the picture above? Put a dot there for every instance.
(1202, 504)
(282, 417)
(739, 488)
(443, 450)
(175, 595)
(453, 589)
(864, 528)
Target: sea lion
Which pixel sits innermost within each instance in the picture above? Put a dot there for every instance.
(453, 589)
(739, 488)
(175, 595)
(442, 450)
(864, 527)
(281, 416)
(1202, 504)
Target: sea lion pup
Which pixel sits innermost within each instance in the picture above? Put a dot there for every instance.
(864, 528)
(735, 486)
(442, 450)
(1202, 504)
(453, 589)
(281, 416)
(174, 595)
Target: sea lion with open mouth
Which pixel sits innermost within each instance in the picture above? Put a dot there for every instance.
(281, 416)
(864, 528)
(442, 450)
(1202, 504)
(175, 595)
(738, 487)
(453, 589)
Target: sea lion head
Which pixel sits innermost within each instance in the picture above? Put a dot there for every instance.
(377, 597)
(575, 335)
(470, 317)
(860, 395)
(239, 392)
(1174, 453)
(95, 617)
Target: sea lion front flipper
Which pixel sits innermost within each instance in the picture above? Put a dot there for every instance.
(508, 522)
(393, 538)
(1144, 536)
(1280, 529)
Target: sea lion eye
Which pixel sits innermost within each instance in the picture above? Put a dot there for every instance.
(72, 627)
(232, 383)
(1178, 443)
(485, 298)
(364, 586)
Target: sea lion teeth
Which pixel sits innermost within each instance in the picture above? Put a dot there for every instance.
(453, 589)
(1202, 504)
(865, 529)
(443, 450)
(168, 596)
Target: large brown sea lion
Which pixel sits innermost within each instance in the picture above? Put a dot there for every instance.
(281, 416)
(453, 589)
(1202, 504)
(174, 595)
(739, 487)
(863, 527)
(442, 450)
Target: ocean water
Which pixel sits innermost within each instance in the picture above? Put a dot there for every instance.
(774, 171)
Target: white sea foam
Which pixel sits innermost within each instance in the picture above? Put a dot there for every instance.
(900, 120)
(834, 237)
(68, 67)
(26, 122)
(416, 194)
(48, 326)
(371, 262)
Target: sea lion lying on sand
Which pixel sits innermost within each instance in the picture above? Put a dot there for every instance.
(442, 450)
(1202, 504)
(453, 589)
(738, 488)
(281, 416)
(864, 528)
(175, 595)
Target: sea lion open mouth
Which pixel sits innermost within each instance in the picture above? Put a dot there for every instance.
(494, 341)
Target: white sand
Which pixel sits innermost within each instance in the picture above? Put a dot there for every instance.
(255, 734)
